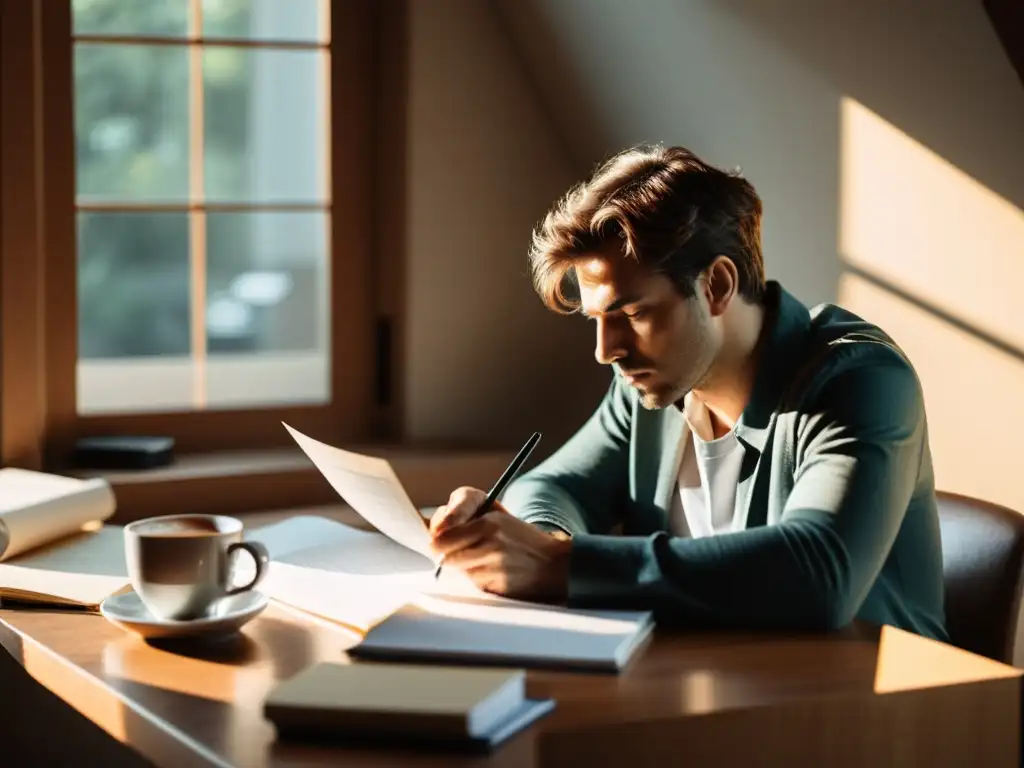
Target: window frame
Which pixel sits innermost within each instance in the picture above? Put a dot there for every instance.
(39, 421)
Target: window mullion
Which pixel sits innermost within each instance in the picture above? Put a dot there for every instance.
(197, 213)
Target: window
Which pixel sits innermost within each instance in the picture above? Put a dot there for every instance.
(202, 196)
(204, 177)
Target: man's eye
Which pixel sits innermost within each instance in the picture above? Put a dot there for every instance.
(636, 314)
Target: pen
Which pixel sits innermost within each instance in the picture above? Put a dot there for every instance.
(499, 487)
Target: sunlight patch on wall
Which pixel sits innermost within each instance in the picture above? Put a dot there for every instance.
(972, 394)
(914, 220)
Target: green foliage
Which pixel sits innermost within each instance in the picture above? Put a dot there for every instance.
(132, 146)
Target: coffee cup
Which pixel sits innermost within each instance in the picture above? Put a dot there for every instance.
(182, 565)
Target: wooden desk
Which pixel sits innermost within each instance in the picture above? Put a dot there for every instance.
(193, 707)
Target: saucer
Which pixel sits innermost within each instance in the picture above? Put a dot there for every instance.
(228, 616)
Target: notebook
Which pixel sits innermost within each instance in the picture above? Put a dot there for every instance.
(399, 702)
(52, 547)
(493, 631)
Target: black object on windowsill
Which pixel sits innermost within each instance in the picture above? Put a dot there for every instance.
(123, 452)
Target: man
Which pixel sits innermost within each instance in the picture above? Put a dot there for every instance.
(753, 464)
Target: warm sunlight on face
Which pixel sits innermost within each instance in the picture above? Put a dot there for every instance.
(660, 340)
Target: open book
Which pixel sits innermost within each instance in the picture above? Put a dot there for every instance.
(47, 552)
(384, 587)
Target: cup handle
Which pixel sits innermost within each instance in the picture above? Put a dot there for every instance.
(259, 555)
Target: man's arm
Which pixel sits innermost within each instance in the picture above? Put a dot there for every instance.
(582, 487)
(858, 462)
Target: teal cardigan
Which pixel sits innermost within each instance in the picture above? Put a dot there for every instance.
(836, 500)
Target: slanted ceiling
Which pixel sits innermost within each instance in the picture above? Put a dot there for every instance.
(1008, 19)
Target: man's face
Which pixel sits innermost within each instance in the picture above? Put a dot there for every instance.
(664, 343)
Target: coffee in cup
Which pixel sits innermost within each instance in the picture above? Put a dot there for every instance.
(181, 565)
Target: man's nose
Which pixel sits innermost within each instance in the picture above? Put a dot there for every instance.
(611, 343)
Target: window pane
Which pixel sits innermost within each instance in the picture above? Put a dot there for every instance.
(131, 122)
(265, 125)
(291, 20)
(164, 18)
(267, 308)
(133, 286)
(133, 312)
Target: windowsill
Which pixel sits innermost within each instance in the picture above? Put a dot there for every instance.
(241, 482)
(200, 465)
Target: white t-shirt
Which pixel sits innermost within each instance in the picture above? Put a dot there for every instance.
(709, 473)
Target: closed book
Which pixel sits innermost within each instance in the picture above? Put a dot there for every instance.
(402, 702)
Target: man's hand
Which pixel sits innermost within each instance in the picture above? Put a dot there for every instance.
(500, 552)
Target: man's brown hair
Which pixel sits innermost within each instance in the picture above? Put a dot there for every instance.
(663, 207)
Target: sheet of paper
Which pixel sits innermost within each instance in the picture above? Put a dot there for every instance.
(356, 578)
(372, 489)
(82, 569)
(357, 602)
(37, 507)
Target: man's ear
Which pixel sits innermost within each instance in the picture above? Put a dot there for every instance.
(721, 284)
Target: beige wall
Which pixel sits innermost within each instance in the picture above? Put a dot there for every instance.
(485, 361)
(887, 140)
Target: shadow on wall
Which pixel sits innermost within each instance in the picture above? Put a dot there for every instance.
(937, 259)
(936, 70)
(485, 362)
